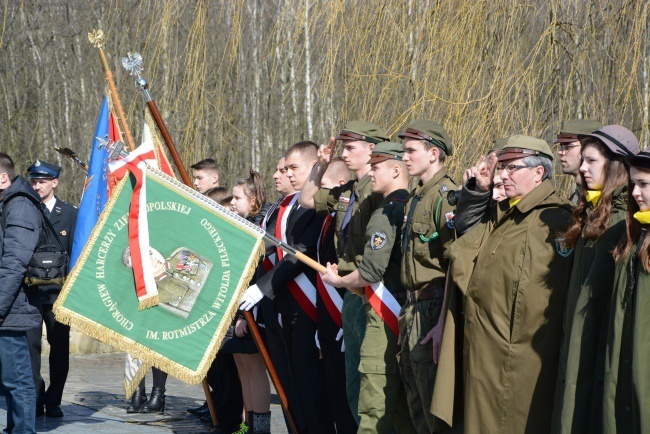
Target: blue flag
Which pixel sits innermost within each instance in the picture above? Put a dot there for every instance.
(95, 192)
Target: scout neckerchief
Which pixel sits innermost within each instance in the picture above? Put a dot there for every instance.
(593, 196)
(642, 217)
(330, 296)
(513, 202)
(302, 290)
(145, 283)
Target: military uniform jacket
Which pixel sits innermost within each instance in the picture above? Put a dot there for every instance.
(627, 377)
(63, 217)
(513, 316)
(349, 245)
(381, 254)
(579, 393)
(425, 259)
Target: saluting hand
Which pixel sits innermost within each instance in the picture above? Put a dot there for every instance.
(325, 152)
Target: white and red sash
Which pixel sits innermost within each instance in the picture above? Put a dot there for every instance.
(135, 162)
(383, 302)
(301, 288)
(330, 296)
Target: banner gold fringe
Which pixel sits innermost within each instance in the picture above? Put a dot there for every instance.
(130, 387)
(161, 155)
(121, 342)
(149, 302)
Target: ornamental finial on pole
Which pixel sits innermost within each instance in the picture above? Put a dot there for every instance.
(96, 37)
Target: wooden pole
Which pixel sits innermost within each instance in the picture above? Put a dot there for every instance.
(252, 325)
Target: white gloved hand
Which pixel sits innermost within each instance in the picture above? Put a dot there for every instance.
(250, 298)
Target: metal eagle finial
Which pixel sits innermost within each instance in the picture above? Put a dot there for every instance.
(133, 63)
(96, 37)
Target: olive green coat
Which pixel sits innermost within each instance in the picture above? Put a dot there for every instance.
(513, 316)
(627, 365)
(579, 390)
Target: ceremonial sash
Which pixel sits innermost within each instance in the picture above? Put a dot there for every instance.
(330, 296)
(135, 162)
(301, 288)
(383, 302)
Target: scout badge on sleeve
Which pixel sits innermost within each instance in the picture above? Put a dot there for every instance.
(563, 248)
(378, 240)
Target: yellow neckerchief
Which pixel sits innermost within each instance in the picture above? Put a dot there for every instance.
(642, 217)
(593, 196)
(513, 202)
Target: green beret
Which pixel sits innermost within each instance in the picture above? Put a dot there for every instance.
(430, 132)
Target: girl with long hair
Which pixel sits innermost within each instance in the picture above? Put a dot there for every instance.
(598, 224)
(249, 201)
(627, 375)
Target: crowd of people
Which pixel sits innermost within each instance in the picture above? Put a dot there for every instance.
(494, 305)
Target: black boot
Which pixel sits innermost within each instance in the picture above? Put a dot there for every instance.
(156, 403)
(261, 423)
(138, 399)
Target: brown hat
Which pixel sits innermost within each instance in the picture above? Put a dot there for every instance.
(364, 131)
(430, 132)
(642, 159)
(617, 138)
(520, 146)
(573, 127)
(386, 151)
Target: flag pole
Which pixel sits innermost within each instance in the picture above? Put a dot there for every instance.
(133, 64)
(97, 39)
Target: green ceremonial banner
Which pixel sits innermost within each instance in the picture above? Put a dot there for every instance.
(203, 257)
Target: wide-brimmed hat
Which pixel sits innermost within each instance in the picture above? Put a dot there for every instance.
(617, 138)
(642, 159)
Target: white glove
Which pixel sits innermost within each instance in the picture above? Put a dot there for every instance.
(250, 298)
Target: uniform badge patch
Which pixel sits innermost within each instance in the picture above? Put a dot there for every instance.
(450, 219)
(563, 248)
(344, 199)
(378, 240)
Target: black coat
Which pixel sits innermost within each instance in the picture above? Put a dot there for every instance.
(17, 243)
(63, 217)
(303, 228)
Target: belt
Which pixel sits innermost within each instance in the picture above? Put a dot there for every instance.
(429, 293)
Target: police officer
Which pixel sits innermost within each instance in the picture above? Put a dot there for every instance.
(569, 149)
(382, 400)
(428, 232)
(354, 203)
(63, 216)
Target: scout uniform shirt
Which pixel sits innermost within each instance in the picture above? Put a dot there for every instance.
(349, 240)
(424, 259)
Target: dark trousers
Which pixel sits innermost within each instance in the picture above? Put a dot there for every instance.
(58, 336)
(278, 353)
(226, 390)
(17, 382)
(308, 372)
(334, 368)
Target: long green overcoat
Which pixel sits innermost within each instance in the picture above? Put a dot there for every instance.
(627, 365)
(579, 390)
(513, 316)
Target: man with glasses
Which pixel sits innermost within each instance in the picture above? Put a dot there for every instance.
(515, 297)
(569, 149)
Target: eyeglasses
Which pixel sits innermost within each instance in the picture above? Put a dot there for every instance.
(566, 148)
(510, 168)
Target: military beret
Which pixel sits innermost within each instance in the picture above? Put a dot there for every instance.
(364, 131)
(431, 132)
(572, 128)
(520, 146)
(617, 138)
(386, 151)
(42, 170)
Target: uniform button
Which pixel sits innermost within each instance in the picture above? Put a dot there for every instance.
(627, 408)
(627, 361)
